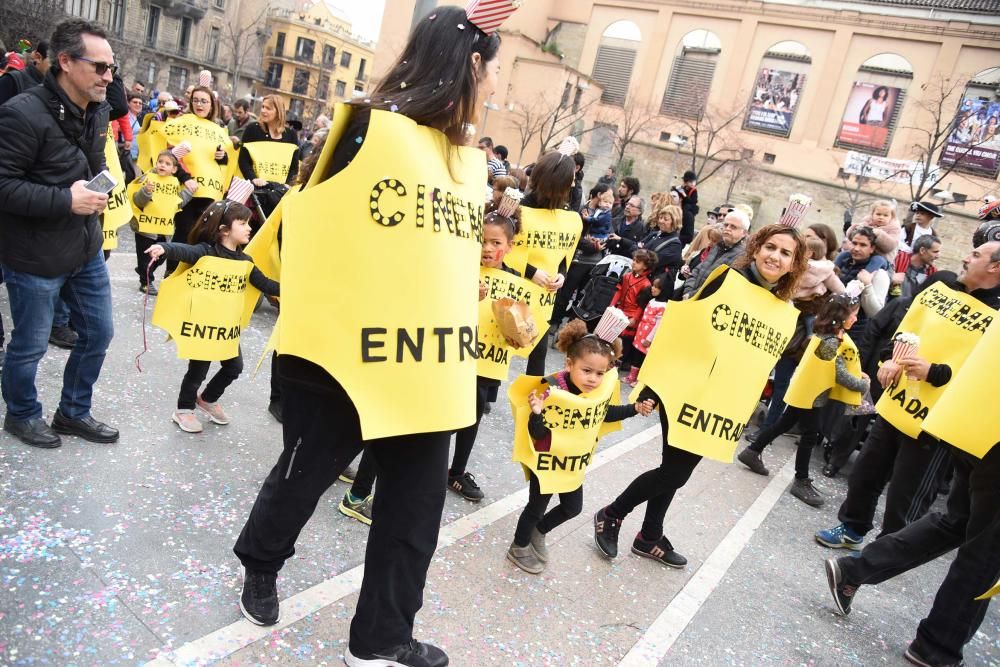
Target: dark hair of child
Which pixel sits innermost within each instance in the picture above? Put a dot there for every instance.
(834, 313)
(167, 153)
(599, 189)
(647, 257)
(511, 226)
(575, 341)
(217, 217)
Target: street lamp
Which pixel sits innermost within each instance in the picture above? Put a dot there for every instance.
(490, 106)
(945, 196)
(679, 142)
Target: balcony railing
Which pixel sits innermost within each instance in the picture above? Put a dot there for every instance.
(193, 9)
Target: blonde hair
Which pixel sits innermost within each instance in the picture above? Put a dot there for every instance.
(671, 209)
(880, 204)
(709, 235)
(279, 111)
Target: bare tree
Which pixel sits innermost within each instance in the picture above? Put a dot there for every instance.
(853, 194)
(33, 20)
(713, 140)
(629, 125)
(741, 171)
(528, 120)
(241, 38)
(563, 118)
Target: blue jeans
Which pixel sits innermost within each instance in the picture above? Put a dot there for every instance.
(33, 302)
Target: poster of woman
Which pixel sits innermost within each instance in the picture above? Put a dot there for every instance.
(868, 115)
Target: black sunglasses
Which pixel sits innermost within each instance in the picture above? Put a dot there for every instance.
(99, 67)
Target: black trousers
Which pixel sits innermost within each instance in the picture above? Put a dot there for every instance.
(322, 434)
(185, 221)
(364, 479)
(465, 438)
(142, 260)
(197, 372)
(275, 379)
(971, 522)
(808, 420)
(656, 487)
(534, 515)
(846, 437)
(577, 278)
(912, 470)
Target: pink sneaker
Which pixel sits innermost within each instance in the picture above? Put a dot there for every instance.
(187, 420)
(214, 411)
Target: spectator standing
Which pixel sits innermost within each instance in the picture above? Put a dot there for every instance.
(689, 206)
(494, 164)
(50, 232)
(735, 227)
(240, 120)
(861, 263)
(608, 177)
(17, 81)
(628, 188)
(913, 270)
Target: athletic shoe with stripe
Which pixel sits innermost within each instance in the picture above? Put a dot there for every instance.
(661, 551)
(839, 537)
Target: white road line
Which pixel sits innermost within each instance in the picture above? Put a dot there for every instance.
(231, 638)
(652, 648)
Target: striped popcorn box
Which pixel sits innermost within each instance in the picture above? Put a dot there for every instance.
(509, 202)
(903, 345)
(795, 212)
(613, 323)
(488, 15)
(239, 190)
(181, 149)
(205, 78)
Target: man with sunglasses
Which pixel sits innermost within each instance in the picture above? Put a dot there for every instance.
(50, 232)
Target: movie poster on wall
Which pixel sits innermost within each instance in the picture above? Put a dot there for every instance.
(775, 98)
(870, 110)
(975, 137)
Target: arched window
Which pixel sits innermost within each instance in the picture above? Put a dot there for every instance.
(615, 60)
(874, 105)
(973, 146)
(778, 89)
(691, 75)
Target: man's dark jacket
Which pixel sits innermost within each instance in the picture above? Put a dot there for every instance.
(48, 144)
(17, 81)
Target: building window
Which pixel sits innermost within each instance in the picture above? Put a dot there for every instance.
(220, 4)
(359, 88)
(577, 98)
(83, 8)
(279, 44)
(362, 75)
(615, 59)
(345, 59)
(746, 153)
(323, 87)
(273, 78)
(296, 108)
(300, 85)
(185, 36)
(116, 21)
(304, 49)
(150, 73)
(421, 9)
(178, 79)
(768, 158)
(340, 90)
(691, 75)
(214, 37)
(329, 56)
(664, 136)
(153, 25)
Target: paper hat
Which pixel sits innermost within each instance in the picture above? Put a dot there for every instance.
(986, 232)
(205, 78)
(509, 202)
(170, 105)
(990, 210)
(613, 323)
(488, 15)
(15, 61)
(569, 146)
(795, 212)
(239, 190)
(926, 207)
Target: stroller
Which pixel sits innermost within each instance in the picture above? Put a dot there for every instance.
(596, 295)
(264, 201)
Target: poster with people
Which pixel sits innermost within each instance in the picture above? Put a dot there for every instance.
(974, 141)
(775, 98)
(870, 110)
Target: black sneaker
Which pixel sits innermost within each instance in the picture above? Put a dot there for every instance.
(274, 407)
(259, 600)
(753, 460)
(606, 532)
(843, 594)
(806, 492)
(465, 486)
(63, 337)
(913, 655)
(413, 654)
(661, 550)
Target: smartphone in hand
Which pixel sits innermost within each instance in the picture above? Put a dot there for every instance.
(104, 183)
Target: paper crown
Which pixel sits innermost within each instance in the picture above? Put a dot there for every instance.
(488, 15)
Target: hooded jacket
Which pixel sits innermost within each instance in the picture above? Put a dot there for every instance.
(49, 143)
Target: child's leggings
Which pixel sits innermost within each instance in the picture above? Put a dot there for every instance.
(808, 420)
(197, 372)
(570, 505)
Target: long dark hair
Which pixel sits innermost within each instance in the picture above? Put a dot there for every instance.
(832, 314)
(217, 217)
(551, 180)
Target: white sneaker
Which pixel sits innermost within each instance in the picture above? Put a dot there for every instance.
(187, 420)
(213, 411)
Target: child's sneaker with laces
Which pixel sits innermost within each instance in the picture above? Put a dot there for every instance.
(840, 537)
(606, 532)
(465, 486)
(357, 509)
(350, 472)
(660, 550)
(213, 411)
(187, 420)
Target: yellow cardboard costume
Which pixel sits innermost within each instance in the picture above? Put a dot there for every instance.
(204, 307)
(547, 240)
(264, 246)
(813, 376)
(711, 358)
(399, 333)
(493, 350)
(205, 137)
(577, 423)
(271, 159)
(966, 414)
(949, 324)
(118, 212)
(151, 141)
(158, 215)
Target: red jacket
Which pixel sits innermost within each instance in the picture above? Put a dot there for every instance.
(122, 128)
(627, 298)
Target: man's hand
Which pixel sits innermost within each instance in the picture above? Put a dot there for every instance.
(685, 271)
(865, 277)
(916, 367)
(888, 373)
(84, 201)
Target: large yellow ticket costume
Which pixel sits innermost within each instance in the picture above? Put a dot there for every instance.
(949, 324)
(547, 239)
(966, 413)
(118, 211)
(158, 215)
(813, 376)
(205, 307)
(576, 422)
(379, 275)
(205, 137)
(271, 159)
(151, 141)
(711, 358)
(492, 348)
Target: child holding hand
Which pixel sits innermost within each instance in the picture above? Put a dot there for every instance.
(659, 292)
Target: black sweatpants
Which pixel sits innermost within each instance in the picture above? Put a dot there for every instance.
(656, 487)
(534, 515)
(275, 379)
(971, 522)
(465, 438)
(197, 372)
(808, 420)
(142, 260)
(577, 278)
(911, 468)
(322, 434)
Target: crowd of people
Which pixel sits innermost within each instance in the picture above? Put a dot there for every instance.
(838, 338)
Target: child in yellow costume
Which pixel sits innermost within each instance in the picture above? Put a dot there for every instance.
(551, 464)
(830, 370)
(221, 232)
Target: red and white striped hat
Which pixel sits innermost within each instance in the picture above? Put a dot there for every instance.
(488, 15)
(239, 190)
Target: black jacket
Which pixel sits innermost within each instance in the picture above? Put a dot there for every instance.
(183, 252)
(49, 143)
(17, 81)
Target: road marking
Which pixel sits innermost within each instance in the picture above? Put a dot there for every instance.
(227, 640)
(652, 648)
